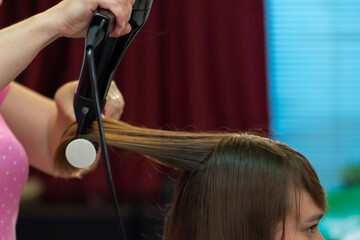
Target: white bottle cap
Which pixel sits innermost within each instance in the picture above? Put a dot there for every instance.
(80, 153)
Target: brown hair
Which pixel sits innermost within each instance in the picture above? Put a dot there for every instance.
(233, 186)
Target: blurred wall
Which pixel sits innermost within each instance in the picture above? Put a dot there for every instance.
(195, 65)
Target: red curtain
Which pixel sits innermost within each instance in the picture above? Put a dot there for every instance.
(196, 65)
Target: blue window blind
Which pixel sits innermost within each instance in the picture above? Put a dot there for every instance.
(313, 49)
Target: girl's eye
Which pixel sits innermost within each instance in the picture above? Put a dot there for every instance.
(312, 229)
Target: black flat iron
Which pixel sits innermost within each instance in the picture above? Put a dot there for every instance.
(107, 55)
(101, 58)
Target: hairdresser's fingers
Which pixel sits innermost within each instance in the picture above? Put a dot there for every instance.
(64, 97)
(72, 17)
(127, 29)
(115, 103)
(122, 10)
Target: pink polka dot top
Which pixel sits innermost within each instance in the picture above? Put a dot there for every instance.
(13, 176)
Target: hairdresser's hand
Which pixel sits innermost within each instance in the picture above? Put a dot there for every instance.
(73, 16)
(115, 103)
(64, 97)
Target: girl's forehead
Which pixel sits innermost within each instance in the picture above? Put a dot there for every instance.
(308, 209)
(304, 208)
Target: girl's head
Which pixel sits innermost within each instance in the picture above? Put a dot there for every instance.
(248, 187)
(233, 186)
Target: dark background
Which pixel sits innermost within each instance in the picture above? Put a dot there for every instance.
(196, 65)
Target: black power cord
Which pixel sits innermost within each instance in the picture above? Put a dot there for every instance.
(95, 92)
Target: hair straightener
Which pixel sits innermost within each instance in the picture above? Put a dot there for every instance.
(107, 55)
(102, 56)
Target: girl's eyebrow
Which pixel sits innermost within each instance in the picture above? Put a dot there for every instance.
(315, 217)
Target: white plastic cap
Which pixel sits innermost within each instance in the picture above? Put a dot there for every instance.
(80, 153)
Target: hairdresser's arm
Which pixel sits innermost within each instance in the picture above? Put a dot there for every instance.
(38, 122)
(20, 43)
